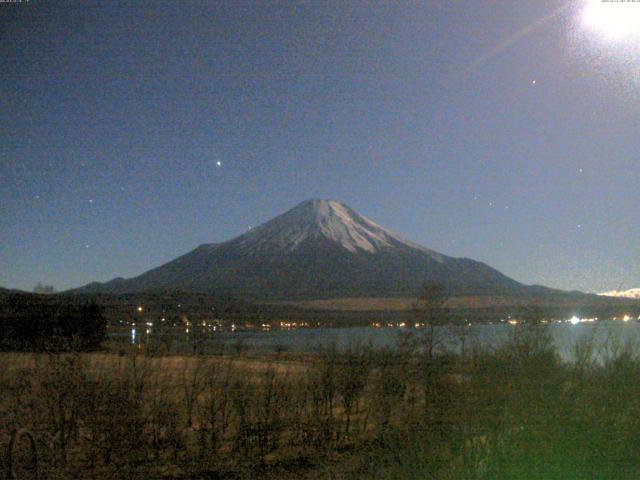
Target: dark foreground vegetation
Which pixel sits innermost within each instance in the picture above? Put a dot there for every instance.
(411, 412)
(41, 323)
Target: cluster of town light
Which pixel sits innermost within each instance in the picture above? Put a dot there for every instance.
(403, 325)
(511, 321)
(575, 320)
(291, 325)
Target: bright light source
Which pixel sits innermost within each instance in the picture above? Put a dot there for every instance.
(139, 309)
(626, 318)
(574, 320)
(615, 20)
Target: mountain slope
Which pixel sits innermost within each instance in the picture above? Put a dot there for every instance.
(319, 249)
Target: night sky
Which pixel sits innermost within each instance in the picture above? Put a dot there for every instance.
(503, 131)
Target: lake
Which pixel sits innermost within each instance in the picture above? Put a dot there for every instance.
(607, 335)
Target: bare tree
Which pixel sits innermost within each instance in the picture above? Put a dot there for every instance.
(431, 313)
(460, 329)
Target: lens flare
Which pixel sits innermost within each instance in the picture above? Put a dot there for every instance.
(613, 20)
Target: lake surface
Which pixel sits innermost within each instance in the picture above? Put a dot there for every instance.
(607, 335)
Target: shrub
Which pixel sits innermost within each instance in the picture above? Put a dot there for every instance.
(57, 326)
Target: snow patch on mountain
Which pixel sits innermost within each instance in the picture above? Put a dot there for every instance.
(329, 219)
(337, 223)
(632, 293)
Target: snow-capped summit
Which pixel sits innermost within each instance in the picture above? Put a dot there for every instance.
(318, 249)
(324, 219)
(632, 293)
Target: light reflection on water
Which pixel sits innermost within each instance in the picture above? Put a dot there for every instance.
(607, 336)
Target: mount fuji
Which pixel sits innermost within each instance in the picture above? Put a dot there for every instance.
(318, 249)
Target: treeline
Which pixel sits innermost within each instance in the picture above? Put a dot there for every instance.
(119, 308)
(35, 323)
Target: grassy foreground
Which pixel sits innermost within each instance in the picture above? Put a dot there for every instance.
(515, 413)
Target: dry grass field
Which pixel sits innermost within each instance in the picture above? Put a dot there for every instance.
(514, 413)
